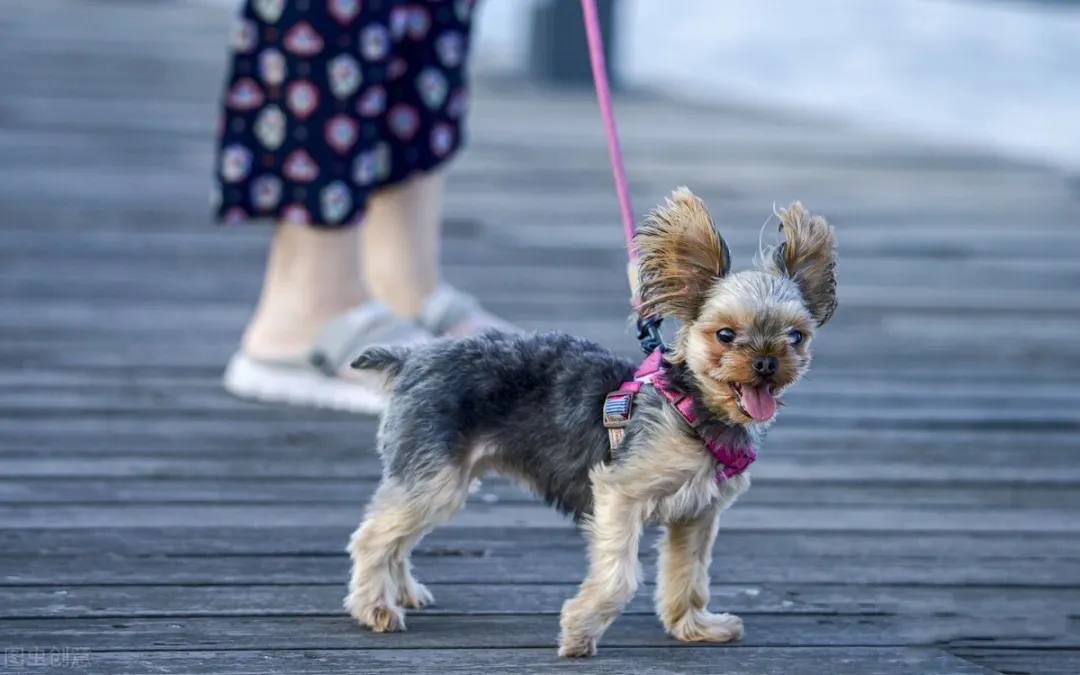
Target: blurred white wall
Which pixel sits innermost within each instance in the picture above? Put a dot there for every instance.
(992, 73)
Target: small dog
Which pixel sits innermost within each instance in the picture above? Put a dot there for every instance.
(540, 409)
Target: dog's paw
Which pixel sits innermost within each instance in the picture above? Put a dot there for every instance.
(385, 619)
(378, 618)
(577, 647)
(706, 627)
(415, 596)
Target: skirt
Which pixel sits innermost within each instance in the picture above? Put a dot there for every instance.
(326, 101)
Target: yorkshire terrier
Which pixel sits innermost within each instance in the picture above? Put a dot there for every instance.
(613, 445)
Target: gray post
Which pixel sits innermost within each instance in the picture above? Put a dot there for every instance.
(559, 52)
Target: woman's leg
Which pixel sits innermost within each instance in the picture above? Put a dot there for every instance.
(312, 275)
(423, 128)
(400, 256)
(400, 237)
(338, 122)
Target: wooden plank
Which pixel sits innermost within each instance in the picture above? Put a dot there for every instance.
(276, 429)
(566, 567)
(813, 415)
(1024, 661)
(97, 491)
(519, 632)
(279, 428)
(470, 269)
(836, 380)
(245, 465)
(952, 359)
(190, 539)
(192, 389)
(482, 514)
(607, 291)
(859, 409)
(614, 661)
(162, 601)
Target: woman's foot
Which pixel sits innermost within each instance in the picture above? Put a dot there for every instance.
(314, 315)
(449, 312)
(320, 376)
(316, 311)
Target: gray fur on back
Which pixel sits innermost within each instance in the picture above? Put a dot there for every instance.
(534, 402)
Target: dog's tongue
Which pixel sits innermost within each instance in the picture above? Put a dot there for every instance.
(759, 402)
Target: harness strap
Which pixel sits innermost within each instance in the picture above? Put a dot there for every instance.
(619, 407)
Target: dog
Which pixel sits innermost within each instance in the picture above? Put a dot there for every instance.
(614, 446)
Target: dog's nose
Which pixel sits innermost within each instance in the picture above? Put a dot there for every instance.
(766, 366)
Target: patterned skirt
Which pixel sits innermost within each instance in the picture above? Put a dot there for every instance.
(328, 100)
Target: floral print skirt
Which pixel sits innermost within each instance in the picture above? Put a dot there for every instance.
(328, 100)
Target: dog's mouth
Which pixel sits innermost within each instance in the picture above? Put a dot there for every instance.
(758, 401)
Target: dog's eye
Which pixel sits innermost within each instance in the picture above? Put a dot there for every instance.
(725, 335)
(795, 337)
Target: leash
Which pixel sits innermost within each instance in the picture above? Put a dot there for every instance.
(648, 327)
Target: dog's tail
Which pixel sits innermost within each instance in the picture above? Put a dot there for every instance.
(387, 362)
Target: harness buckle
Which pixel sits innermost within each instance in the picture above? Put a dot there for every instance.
(649, 333)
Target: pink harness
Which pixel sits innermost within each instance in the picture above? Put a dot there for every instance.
(618, 407)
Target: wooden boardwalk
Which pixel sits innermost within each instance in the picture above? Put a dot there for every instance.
(917, 509)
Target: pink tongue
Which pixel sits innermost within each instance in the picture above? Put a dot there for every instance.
(759, 402)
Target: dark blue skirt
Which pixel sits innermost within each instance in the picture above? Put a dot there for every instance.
(327, 100)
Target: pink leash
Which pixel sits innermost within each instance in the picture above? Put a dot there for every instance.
(648, 327)
(603, 96)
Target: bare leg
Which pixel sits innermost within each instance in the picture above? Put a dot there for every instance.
(614, 572)
(400, 253)
(400, 235)
(312, 275)
(682, 584)
(396, 519)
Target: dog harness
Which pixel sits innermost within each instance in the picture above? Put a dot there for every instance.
(619, 406)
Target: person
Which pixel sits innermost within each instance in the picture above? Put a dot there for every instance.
(338, 120)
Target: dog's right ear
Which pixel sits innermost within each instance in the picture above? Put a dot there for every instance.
(681, 256)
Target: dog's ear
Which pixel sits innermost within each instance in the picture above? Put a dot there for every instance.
(808, 256)
(681, 255)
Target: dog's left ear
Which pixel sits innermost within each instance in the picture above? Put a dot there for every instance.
(808, 256)
(681, 256)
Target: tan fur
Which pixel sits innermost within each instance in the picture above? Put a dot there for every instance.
(397, 518)
(681, 256)
(807, 255)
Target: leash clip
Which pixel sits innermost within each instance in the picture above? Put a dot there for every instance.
(649, 334)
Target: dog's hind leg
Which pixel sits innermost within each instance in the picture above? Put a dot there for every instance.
(400, 513)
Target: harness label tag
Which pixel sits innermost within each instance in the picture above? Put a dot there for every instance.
(618, 406)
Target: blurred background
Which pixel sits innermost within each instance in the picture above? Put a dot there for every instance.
(915, 509)
(998, 75)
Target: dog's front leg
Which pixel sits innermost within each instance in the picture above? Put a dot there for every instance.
(682, 583)
(614, 532)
